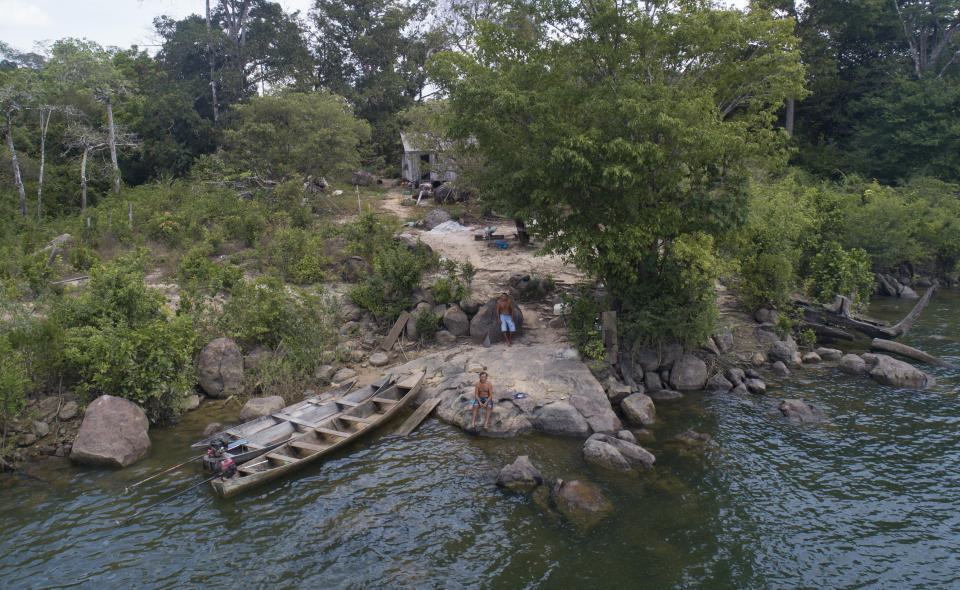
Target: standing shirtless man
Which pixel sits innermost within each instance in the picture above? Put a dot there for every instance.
(505, 313)
(482, 398)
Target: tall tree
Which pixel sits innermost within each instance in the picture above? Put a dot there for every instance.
(16, 94)
(930, 29)
(625, 131)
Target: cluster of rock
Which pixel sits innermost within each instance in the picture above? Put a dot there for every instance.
(579, 502)
(47, 427)
(899, 286)
(886, 370)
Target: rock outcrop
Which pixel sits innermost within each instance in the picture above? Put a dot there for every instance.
(220, 368)
(113, 433)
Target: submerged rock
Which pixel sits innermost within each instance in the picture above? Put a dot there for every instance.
(113, 433)
(581, 503)
(798, 410)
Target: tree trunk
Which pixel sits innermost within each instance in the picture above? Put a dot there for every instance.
(83, 182)
(210, 60)
(113, 148)
(908, 351)
(44, 125)
(788, 124)
(17, 180)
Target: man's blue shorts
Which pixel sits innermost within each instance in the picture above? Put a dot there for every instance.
(483, 400)
(506, 322)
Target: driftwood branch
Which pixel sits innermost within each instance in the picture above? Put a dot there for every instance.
(908, 351)
(838, 315)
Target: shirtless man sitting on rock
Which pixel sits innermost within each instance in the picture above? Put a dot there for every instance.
(505, 313)
(482, 398)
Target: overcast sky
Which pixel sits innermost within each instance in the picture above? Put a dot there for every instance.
(108, 22)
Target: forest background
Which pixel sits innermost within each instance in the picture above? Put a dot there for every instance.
(660, 145)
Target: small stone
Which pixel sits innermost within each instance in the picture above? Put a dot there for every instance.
(69, 411)
(520, 476)
(829, 354)
(752, 373)
(693, 438)
(48, 450)
(665, 395)
(810, 358)
(27, 439)
(190, 402)
(627, 436)
(736, 375)
(557, 323)
(798, 410)
(638, 409)
(379, 359)
(344, 374)
(852, 364)
(719, 384)
(740, 389)
(324, 373)
(756, 386)
(445, 338)
(41, 429)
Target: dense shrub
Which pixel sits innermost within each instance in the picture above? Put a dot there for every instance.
(196, 271)
(583, 324)
(427, 324)
(836, 271)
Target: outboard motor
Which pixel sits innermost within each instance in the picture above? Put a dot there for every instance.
(211, 459)
(227, 468)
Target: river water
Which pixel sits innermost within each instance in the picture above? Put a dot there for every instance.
(870, 499)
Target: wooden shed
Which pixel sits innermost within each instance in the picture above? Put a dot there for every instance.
(425, 158)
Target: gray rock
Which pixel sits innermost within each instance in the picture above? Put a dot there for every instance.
(343, 374)
(719, 384)
(113, 433)
(440, 310)
(69, 411)
(756, 386)
(740, 389)
(890, 371)
(689, 373)
(648, 359)
(711, 347)
(780, 369)
(786, 351)
(220, 368)
(852, 364)
(324, 373)
(581, 503)
(25, 440)
(724, 339)
(666, 395)
(379, 359)
(670, 352)
(256, 357)
(798, 410)
(907, 293)
(520, 476)
(651, 381)
(829, 354)
(469, 306)
(559, 418)
(607, 452)
(736, 375)
(260, 406)
(436, 217)
(486, 323)
(616, 391)
(190, 403)
(445, 338)
(766, 316)
(40, 428)
(766, 336)
(627, 436)
(811, 358)
(419, 296)
(693, 438)
(211, 429)
(456, 322)
(557, 323)
(47, 408)
(752, 373)
(638, 409)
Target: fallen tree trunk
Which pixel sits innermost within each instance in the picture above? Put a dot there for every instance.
(824, 332)
(838, 315)
(908, 351)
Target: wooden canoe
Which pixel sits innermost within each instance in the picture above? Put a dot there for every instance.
(360, 413)
(252, 439)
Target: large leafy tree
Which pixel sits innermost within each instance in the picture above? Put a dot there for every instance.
(623, 130)
(295, 133)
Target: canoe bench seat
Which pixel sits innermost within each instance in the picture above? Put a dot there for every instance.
(356, 419)
(332, 432)
(279, 457)
(383, 400)
(308, 446)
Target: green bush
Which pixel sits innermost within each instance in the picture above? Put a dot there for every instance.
(427, 324)
(14, 383)
(766, 280)
(296, 253)
(83, 258)
(150, 363)
(197, 272)
(583, 325)
(835, 271)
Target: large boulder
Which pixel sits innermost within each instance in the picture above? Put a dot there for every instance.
(456, 322)
(559, 418)
(638, 409)
(436, 217)
(487, 323)
(520, 476)
(689, 373)
(261, 406)
(220, 368)
(890, 371)
(786, 351)
(113, 433)
(581, 503)
(616, 454)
